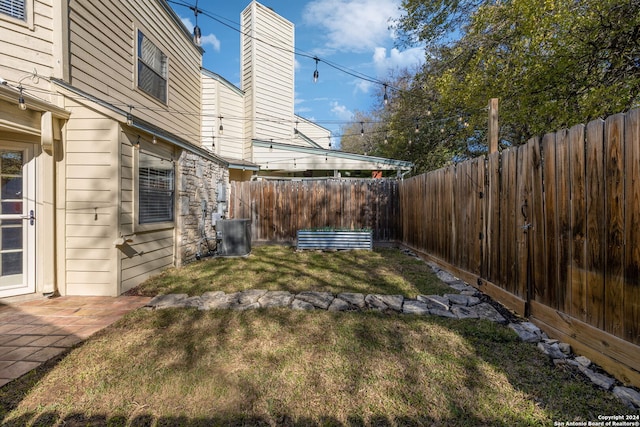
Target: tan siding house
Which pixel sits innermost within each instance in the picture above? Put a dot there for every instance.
(104, 177)
(262, 135)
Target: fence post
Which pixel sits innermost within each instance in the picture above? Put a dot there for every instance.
(493, 125)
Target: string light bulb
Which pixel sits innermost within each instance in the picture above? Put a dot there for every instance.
(221, 128)
(154, 140)
(429, 111)
(197, 34)
(316, 74)
(362, 129)
(385, 97)
(417, 130)
(21, 104)
(386, 140)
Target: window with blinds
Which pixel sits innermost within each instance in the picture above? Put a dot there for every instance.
(155, 189)
(14, 8)
(152, 69)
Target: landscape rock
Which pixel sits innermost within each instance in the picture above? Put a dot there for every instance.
(195, 302)
(486, 311)
(583, 361)
(339, 304)
(211, 295)
(276, 299)
(527, 331)
(446, 277)
(442, 313)
(465, 300)
(629, 396)
(170, 300)
(252, 306)
(219, 301)
(250, 296)
(415, 307)
(298, 304)
(600, 380)
(318, 299)
(384, 302)
(435, 301)
(565, 348)
(551, 350)
(353, 299)
(463, 312)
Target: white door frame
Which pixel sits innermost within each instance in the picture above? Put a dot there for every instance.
(29, 220)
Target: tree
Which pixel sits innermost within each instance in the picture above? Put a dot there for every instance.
(552, 63)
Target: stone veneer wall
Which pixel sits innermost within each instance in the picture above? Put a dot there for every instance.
(197, 181)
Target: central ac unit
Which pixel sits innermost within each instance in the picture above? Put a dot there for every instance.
(233, 236)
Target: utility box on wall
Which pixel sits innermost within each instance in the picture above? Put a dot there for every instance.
(233, 236)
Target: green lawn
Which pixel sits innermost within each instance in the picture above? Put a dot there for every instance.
(284, 367)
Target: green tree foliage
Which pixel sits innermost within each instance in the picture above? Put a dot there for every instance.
(552, 64)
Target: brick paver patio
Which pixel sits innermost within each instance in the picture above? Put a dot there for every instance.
(35, 331)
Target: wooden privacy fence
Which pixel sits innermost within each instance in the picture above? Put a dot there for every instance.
(551, 229)
(278, 209)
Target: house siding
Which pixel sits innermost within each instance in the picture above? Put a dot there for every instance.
(219, 98)
(27, 48)
(90, 202)
(147, 252)
(103, 63)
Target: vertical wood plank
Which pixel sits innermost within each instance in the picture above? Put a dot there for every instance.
(493, 217)
(564, 221)
(537, 231)
(577, 182)
(522, 219)
(551, 220)
(631, 312)
(614, 190)
(596, 223)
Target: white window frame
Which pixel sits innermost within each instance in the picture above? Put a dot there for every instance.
(27, 21)
(162, 75)
(152, 225)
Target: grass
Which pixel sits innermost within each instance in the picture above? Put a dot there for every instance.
(385, 270)
(284, 367)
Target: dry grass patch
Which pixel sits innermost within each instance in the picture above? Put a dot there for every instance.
(277, 366)
(384, 270)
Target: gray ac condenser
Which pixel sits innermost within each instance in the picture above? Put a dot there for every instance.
(233, 236)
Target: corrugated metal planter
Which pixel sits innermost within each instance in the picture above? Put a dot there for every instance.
(335, 239)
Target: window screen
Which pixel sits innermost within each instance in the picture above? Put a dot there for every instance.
(152, 69)
(14, 8)
(155, 188)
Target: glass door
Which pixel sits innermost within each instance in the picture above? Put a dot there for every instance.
(17, 222)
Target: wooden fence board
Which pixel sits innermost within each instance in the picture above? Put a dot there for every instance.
(596, 223)
(563, 212)
(631, 297)
(577, 180)
(550, 220)
(537, 232)
(614, 190)
(493, 218)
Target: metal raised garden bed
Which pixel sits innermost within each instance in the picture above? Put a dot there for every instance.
(335, 239)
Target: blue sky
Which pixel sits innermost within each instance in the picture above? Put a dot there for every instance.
(353, 34)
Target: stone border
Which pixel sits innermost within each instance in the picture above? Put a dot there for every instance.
(468, 304)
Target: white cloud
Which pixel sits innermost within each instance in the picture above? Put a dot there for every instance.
(397, 59)
(341, 111)
(208, 39)
(353, 25)
(363, 86)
